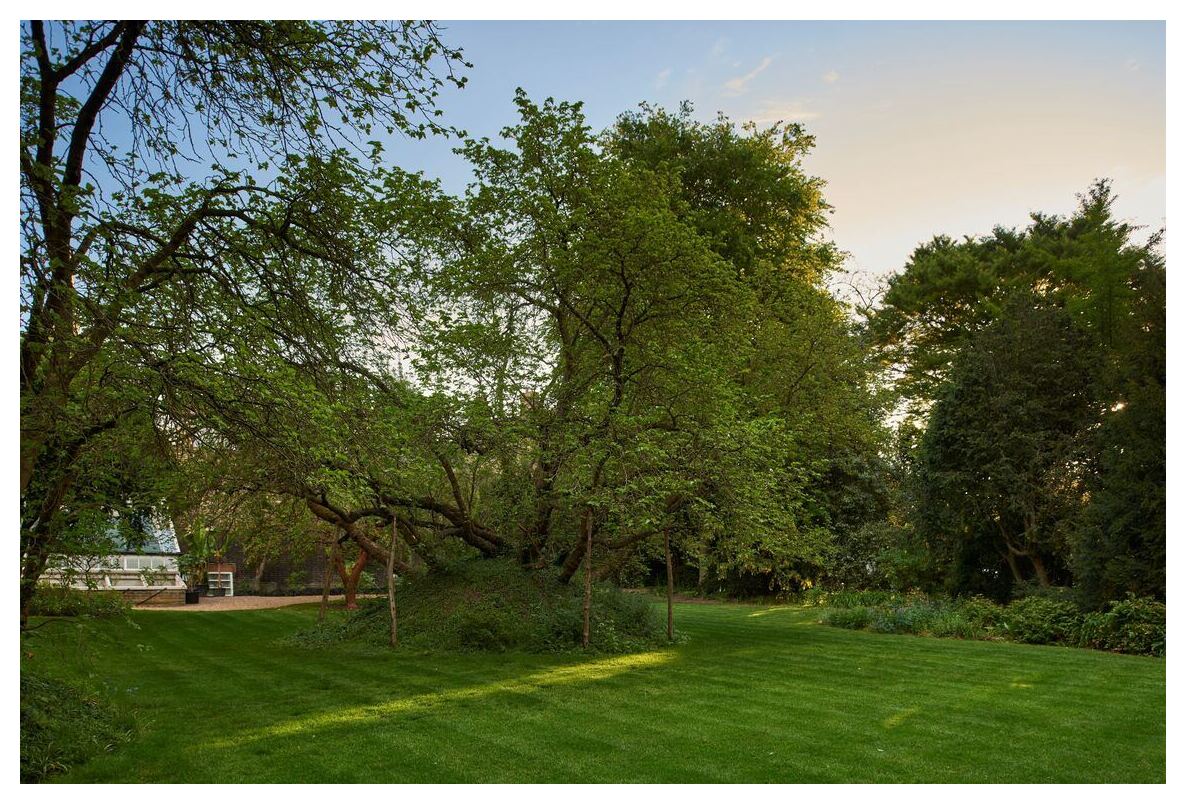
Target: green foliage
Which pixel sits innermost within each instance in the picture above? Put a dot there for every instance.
(162, 286)
(497, 606)
(856, 617)
(998, 467)
(850, 598)
(62, 726)
(61, 601)
(964, 619)
(1059, 427)
(1088, 264)
(297, 580)
(201, 547)
(983, 614)
(1132, 625)
(878, 555)
(1042, 621)
(1120, 540)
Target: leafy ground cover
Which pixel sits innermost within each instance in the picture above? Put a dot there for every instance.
(755, 693)
(496, 606)
(1134, 625)
(63, 726)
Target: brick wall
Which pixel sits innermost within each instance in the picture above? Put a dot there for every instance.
(279, 574)
(154, 597)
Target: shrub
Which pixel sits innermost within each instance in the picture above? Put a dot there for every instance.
(63, 726)
(1042, 621)
(951, 620)
(851, 598)
(912, 617)
(982, 614)
(62, 601)
(1026, 589)
(1134, 625)
(857, 618)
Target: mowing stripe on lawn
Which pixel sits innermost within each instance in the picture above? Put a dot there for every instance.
(756, 694)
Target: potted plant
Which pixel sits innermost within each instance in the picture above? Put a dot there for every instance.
(192, 567)
(194, 561)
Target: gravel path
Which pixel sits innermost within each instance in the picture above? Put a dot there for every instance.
(243, 602)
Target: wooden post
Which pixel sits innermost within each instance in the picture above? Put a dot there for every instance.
(391, 582)
(670, 586)
(327, 575)
(588, 573)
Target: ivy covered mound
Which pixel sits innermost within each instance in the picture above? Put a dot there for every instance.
(63, 726)
(494, 605)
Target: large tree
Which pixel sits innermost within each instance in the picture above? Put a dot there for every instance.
(585, 358)
(191, 190)
(1000, 463)
(1108, 282)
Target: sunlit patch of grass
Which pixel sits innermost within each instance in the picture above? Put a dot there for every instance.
(774, 610)
(898, 718)
(583, 672)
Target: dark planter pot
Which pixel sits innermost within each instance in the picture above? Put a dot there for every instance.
(192, 595)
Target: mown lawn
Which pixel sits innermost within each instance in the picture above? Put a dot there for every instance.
(756, 694)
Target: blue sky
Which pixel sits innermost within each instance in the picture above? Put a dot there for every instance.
(922, 128)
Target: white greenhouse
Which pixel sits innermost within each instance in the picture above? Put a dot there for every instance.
(146, 573)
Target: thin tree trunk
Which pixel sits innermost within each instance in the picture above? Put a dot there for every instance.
(670, 586)
(1040, 570)
(391, 584)
(259, 573)
(31, 570)
(327, 575)
(1016, 570)
(588, 574)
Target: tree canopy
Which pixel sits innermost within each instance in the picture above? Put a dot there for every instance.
(612, 345)
(1032, 362)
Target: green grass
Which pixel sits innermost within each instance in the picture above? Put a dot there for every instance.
(756, 694)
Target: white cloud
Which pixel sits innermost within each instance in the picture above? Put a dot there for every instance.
(830, 77)
(784, 111)
(718, 48)
(661, 78)
(735, 86)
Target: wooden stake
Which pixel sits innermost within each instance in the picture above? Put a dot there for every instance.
(670, 586)
(391, 583)
(328, 573)
(588, 573)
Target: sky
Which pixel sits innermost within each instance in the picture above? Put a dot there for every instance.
(921, 128)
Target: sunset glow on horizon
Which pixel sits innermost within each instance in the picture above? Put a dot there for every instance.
(921, 128)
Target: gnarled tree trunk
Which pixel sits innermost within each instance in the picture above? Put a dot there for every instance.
(351, 575)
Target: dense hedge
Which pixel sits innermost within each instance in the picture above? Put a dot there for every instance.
(59, 601)
(495, 605)
(1135, 625)
(63, 726)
